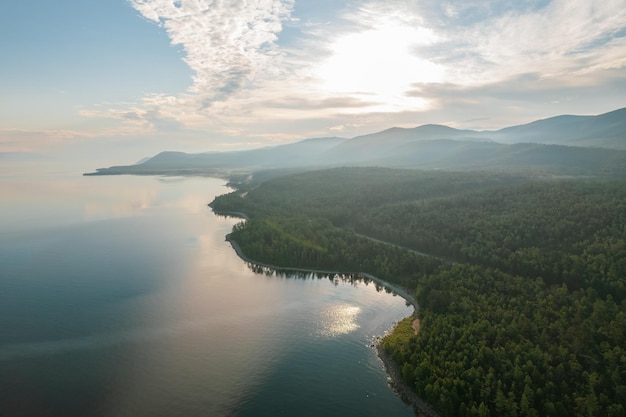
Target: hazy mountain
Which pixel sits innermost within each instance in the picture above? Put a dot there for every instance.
(607, 130)
(306, 152)
(531, 147)
(394, 141)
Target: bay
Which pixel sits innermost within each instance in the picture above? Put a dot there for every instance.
(120, 297)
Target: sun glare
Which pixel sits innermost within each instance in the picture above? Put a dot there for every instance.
(338, 319)
(379, 64)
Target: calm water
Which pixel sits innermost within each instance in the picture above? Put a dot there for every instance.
(120, 297)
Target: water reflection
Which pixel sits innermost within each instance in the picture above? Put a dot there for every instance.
(334, 319)
(30, 203)
(95, 209)
(336, 277)
(338, 319)
(129, 302)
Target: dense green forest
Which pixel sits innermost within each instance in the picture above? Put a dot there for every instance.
(523, 307)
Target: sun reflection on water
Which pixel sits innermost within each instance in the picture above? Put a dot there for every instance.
(338, 319)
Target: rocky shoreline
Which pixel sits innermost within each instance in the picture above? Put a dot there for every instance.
(421, 408)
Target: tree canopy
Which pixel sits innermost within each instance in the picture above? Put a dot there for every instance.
(523, 303)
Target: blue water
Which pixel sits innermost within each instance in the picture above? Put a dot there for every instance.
(120, 297)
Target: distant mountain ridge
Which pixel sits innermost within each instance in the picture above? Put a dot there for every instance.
(588, 145)
(606, 130)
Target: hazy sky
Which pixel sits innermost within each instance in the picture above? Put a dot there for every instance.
(128, 78)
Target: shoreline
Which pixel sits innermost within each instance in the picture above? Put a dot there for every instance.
(394, 375)
(402, 293)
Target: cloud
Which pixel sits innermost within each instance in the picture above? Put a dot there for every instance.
(228, 44)
(374, 63)
(560, 39)
(490, 40)
(35, 140)
(307, 104)
(498, 58)
(143, 117)
(521, 99)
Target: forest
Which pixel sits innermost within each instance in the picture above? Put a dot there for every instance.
(522, 303)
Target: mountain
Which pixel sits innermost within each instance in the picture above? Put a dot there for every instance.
(607, 130)
(587, 145)
(391, 142)
(306, 152)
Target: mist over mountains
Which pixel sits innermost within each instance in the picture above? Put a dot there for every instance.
(562, 145)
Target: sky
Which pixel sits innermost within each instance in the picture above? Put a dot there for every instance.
(117, 80)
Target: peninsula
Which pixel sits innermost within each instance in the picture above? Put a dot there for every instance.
(527, 318)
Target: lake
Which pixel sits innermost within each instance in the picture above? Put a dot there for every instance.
(120, 297)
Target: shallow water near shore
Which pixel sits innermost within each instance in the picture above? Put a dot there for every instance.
(120, 297)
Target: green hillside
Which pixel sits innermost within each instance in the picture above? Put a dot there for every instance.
(523, 304)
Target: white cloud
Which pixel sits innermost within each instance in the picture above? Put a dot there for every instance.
(558, 40)
(228, 44)
(368, 64)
